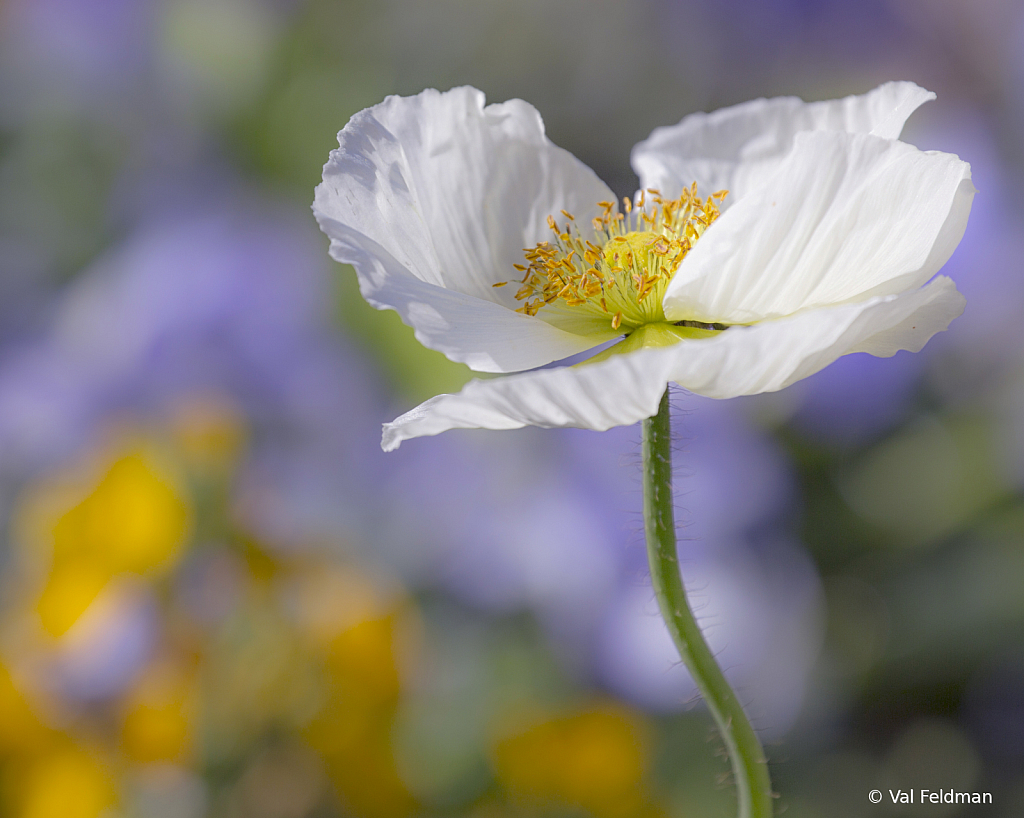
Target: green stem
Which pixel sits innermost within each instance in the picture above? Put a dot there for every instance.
(749, 765)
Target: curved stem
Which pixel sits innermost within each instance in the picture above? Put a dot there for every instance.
(749, 765)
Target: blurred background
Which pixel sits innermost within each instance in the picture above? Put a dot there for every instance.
(219, 598)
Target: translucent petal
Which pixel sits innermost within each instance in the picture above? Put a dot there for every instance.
(432, 198)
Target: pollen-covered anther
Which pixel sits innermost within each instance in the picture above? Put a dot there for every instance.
(623, 268)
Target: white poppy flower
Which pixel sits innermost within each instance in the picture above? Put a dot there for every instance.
(823, 245)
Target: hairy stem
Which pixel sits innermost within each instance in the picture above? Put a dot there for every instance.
(749, 765)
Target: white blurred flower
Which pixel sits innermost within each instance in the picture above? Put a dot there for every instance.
(823, 246)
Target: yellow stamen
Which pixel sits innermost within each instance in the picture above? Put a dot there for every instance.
(625, 270)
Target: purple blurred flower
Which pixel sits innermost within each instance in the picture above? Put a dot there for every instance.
(237, 305)
(858, 398)
(743, 38)
(76, 48)
(754, 590)
(108, 645)
(987, 264)
(759, 606)
(550, 522)
(504, 522)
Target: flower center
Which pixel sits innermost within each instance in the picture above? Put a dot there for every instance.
(619, 278)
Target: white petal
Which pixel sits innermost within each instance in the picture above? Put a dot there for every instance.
(432, 198)
(925, 312)
(740, 361)
(846, 217)
(617, 392)
(772, 355)
(736, 148)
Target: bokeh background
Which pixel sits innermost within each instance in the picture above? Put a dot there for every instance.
(219, 598)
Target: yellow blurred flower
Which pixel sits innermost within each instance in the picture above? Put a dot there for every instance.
(159, 715)
(69, 592)
(135, 518)
(358, 627)
(593, 760)
(67, 783)
(20, 728)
